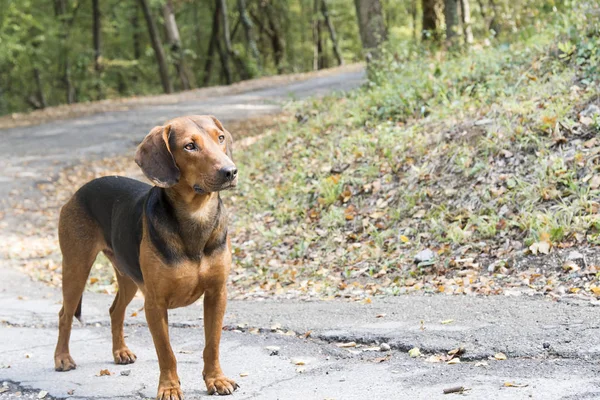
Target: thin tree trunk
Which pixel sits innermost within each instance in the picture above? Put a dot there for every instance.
(137, 40)
(413, 11)
(97, 46)
(248, 30)
(175, 44)
(41, 98)
(228, 50)
(224, 62)
(316, 36)
(277, 41)
(371, 25)
(211, 47)
(466, 20)
(430, 21)
(451, 16)
(157, 46)
(334, 41)
(61, 11)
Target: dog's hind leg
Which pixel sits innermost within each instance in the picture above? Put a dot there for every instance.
(80, 241)
(127, 290)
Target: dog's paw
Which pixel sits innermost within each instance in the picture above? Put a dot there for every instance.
(124, 356)
(64, 362)
(221, 385)
(169, 391)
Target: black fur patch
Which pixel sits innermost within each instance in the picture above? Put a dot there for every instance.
(116, 204)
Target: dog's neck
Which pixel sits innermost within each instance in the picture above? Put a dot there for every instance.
(192, 224)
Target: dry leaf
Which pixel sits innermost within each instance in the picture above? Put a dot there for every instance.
(104, 372)
(447, 321)
(455, 360)
(299, 361)
(345, 345)
(515, 385)
(380, 315)
(244, 374)
(42, 394)
(381, 359)
(500, 356)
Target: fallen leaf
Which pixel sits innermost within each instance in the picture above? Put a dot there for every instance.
(500, 356)
(455, 360)
(447, 321)
(299, 361)
(134, 314)
(345, 345)
(515, 385)
(380, 315)
(404, 239)
(381, 359)
(414, 352)
(104, 372)
(42, 394)
(71, 392)
(244, 374)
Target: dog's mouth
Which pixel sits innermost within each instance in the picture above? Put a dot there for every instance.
(225, 186)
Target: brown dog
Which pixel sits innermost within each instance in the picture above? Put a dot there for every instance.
(170, 241)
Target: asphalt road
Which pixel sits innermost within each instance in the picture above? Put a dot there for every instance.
(31, 154)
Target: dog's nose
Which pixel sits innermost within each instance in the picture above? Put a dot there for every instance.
(228, 173)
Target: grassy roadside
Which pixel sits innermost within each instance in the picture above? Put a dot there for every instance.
(481, 158)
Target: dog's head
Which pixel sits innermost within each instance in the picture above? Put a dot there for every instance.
(195, 151)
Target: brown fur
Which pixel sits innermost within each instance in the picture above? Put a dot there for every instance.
(191, 182)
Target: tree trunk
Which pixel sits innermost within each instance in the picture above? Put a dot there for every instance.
(277, 41)
(137, 40)
(97, 50)
(248, 28)
(40, 97)
(175, 44)
(451, 16)
(372, 28)
(61, 11)
(334, 41)
(465, 9)
(317, 48)
(228, 51)
(211, 47)
(430, 21)
(157, 46)
(413, 12)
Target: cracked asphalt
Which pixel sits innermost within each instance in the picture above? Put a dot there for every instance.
(552, 347)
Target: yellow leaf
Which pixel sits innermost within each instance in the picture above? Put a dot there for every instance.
(596, 290)
(500, 356)
(515, 385)
(414, 352)
(93, 280)
(447, 321)
(454, 361)
(404, 239)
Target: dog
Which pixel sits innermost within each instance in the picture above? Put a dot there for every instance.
(169, 240)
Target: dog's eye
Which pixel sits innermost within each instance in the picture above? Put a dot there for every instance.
(190, 146)
(221, 138)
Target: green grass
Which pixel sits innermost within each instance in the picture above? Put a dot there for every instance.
(447, 150)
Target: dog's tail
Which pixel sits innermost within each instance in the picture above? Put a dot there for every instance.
(78, 310)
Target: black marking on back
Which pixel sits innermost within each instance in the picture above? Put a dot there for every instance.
(116, 204)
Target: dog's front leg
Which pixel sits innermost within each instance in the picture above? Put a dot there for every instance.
(169, 387)
(215, 301)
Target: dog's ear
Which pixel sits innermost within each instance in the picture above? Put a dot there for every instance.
(228, 137)
(154, 157)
